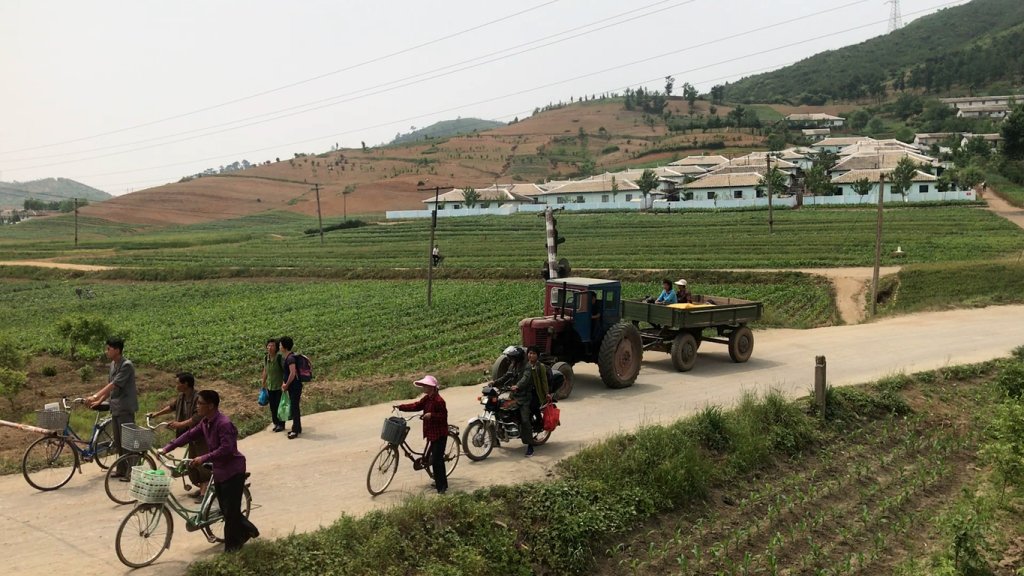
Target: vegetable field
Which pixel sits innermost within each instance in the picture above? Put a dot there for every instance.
(352, 330)
(678, 240)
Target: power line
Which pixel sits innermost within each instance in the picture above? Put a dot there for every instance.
(293, 84)
(416, 117)
(348, 96)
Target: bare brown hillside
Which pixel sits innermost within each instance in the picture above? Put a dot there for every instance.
(547, 145)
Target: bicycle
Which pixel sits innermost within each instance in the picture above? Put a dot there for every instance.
(147, 530)
(385, 465)
(137, 445)
(52, 460)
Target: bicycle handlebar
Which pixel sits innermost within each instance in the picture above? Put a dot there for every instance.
(397, 412)
(149, 423)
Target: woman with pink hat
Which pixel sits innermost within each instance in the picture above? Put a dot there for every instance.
(435, 428)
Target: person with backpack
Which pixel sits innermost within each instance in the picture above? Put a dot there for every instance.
(273, 376)
(294, 365)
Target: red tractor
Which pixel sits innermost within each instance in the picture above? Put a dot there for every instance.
(582, 322)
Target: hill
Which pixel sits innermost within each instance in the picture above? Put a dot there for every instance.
(14, 194)
(447, 128)
(978, 46)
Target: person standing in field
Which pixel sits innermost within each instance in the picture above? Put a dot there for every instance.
(123, 394)
(292, 385)
(273, 377)
(186, 416)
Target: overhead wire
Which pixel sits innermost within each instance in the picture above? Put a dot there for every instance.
(575, 78)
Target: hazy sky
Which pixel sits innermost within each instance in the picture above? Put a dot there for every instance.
(125, 95)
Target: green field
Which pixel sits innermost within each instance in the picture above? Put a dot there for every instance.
(680, 240)
(353, 330)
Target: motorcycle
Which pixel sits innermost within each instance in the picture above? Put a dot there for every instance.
(499, 422)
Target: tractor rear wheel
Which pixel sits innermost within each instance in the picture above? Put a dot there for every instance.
(741, 344)
(684, 351)
(619, 357)
(500, 367)
(565, 369)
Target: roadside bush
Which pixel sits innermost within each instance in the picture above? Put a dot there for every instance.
(87, 332)
(711, 429)
(1005, 449)
(1010, 380)
(49, 371)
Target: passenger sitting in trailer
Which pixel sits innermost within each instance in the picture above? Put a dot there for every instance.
(683, 295)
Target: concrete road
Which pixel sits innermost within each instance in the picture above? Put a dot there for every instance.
(305, 483)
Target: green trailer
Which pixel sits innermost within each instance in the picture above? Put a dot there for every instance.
(679, 329)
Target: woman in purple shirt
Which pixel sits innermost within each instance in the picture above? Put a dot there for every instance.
(228, 466)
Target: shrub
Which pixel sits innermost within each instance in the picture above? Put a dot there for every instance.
(11, 382)
(711, 429)
(85, 373)
(83, 331)
(1011, 380)
(49, 371)
(1005, 449)
(10, 356)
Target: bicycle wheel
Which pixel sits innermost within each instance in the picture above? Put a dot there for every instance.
(478, 441)
(104, 448)
(118, 489)
(144, 534)
(214, 520)
(452, 450)
(49, 463)
(382, 470)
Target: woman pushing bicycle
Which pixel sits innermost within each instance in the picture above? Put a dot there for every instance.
(228, 466)
(435, 428)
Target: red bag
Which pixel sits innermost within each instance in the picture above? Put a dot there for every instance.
(551, 415)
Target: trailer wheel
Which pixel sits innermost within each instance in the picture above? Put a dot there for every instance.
(684, 351)
(741, 344)
(500, 367)
(619, 358)
(566, 370)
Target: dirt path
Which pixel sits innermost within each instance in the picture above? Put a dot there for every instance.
(1003, 208)
(55, 264)
(307, 483)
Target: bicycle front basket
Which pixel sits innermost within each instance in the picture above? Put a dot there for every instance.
(52, 419)
(395, 430)
(150, 486)
(135, 438)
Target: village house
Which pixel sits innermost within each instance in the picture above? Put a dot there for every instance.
(705, 162)
(491, 197)
(816, 120)
(724, 186)
(882, 160)
(921, 184)
(816, 134)
(969, 101)
(836, 144)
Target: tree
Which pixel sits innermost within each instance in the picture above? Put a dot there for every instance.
(859, 119)
(970, 177)
(777, 140)
(615, 189)
(648, 181)
(11, 382)
(83, 331)
(718, 94)
(902, 176)
(690, 93)
(817, 180)
(1013, 134)
(777, 178)
(470, 196)
(862, 186)
(826, 159)
(669, 83)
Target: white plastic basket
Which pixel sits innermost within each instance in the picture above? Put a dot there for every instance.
(394, 430)
(135, 438)
(149, 486)
(52, 419)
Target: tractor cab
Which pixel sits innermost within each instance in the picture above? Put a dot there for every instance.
(577, 313)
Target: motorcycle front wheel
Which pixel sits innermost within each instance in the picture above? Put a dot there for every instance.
(478, 441)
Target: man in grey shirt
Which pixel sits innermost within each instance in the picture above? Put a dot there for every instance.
(124, 397)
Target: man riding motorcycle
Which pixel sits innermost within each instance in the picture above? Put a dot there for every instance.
(529, 391)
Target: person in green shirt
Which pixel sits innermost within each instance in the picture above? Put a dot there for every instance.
(273, 376)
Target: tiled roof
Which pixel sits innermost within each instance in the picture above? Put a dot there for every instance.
(699, 161)
(742, 179)
(874, 175)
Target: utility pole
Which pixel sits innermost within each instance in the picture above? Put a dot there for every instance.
(430, 249)
(768, 182)
(895, 18)
(76, 222)
(878, 245)
(319, 218)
